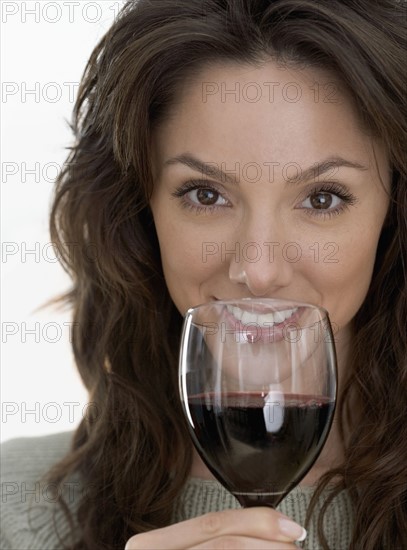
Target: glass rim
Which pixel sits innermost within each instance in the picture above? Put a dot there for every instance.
(267, 301)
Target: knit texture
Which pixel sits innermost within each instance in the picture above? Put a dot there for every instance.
(27, 508)
(201, 496)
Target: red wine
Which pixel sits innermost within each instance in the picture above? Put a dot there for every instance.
(259, 446)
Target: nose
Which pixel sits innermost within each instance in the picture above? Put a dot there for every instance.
(263, 264)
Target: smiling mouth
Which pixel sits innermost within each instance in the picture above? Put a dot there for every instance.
(261, 319)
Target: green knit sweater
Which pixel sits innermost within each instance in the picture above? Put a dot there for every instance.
(27, 508)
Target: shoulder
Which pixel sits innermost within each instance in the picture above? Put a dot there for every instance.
(28, 505)
(34, 454)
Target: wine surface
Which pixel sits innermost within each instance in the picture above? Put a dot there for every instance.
(257, 445)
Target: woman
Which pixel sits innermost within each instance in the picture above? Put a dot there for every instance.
(206, 132)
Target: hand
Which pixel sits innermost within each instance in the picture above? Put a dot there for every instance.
(250, 528)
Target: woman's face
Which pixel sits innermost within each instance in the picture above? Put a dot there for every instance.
(297, 213)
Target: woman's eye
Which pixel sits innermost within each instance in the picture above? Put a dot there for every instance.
(200, 197)
(322, 201)
(206, 197)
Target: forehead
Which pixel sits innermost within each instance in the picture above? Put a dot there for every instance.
(233, 112)
(246, 88)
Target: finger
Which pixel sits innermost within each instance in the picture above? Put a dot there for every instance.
(244, 543)
(261, 522)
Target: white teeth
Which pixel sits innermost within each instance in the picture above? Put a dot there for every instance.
(269, 318)
(279, 316)
(248, 317)
(266, 319)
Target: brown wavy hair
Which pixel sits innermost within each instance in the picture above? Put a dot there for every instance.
(133, 448)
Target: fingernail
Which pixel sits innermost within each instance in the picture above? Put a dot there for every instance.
(292, 530)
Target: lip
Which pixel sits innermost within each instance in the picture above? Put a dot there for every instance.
(252, 332)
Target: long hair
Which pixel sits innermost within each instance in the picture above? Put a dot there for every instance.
(133, 448)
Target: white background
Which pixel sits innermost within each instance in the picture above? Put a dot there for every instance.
(45, 46)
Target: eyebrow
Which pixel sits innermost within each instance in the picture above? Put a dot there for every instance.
(212, 169)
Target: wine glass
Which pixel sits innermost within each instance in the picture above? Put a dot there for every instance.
(258, 388)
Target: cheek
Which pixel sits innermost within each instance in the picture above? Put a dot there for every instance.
(343, 275)
(188, 260)
(182, 253)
